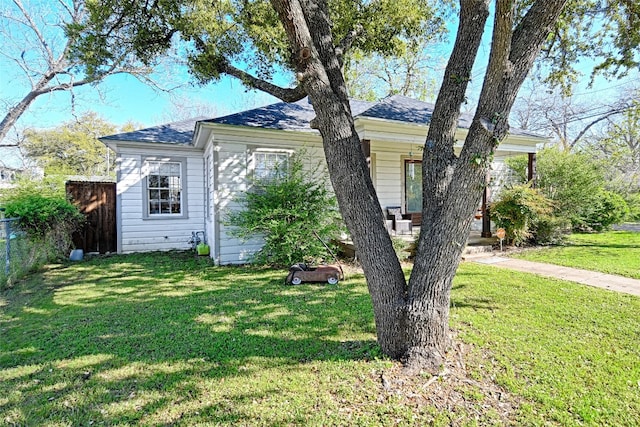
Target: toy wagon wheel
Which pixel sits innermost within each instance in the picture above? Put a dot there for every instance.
(296, 281)
(332, 280)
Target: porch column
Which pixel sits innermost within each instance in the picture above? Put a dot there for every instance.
(531, 170)
(486, 219)
(366, 149)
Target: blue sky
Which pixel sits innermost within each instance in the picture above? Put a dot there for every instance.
(122, 98)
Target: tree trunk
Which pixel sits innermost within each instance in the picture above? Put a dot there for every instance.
(445, 226)
(317, 64)
(453, 186)
(412, 321)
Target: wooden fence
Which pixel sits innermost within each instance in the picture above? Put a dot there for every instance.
(97, 201)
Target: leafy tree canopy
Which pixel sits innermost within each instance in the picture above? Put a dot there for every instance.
(35, 55)
(603, 32)
(620, 149)
(73, 148)
(221, 33)
(412, 72)
(246, 39)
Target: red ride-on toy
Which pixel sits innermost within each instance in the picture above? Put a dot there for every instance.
(301, 272)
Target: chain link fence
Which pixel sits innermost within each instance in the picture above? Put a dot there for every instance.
(16, 252)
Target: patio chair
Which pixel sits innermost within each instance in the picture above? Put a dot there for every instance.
(400, 225)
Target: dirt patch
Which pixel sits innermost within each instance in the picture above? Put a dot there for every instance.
(455, 393)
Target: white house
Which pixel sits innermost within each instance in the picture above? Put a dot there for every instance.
(183, 177)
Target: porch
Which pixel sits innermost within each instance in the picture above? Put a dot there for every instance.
(404, 216)
(476, 244)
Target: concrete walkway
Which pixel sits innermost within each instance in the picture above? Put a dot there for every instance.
(586, 277)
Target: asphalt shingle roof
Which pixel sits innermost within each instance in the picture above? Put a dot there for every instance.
(297, 117)
(283, 116)
(176, 133)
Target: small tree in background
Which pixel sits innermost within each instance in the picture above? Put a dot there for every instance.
(575, 182)
(292, 210)
(609, 209)
(72, 148)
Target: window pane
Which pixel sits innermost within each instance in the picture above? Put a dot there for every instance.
(165, 169)
(413, 185)
(175, 208)
(154, 207)
(174, 182)
(164, 184)
(270, 165)
(164, 207)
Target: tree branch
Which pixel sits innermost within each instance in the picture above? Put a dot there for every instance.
(593, 123)
(534, 28)
(457, 75)
(345, 44)
(285, 94)
(35, 29)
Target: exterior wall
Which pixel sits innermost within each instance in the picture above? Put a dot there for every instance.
(232, 154)
(388, 171)
(219, 173)
(136, 234)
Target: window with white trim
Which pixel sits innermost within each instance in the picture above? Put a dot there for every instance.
(164, 188)
(269, 164)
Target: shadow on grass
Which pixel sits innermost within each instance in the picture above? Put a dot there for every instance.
(118, 339)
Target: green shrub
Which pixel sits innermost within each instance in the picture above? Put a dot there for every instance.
(43, 231)
(293, 211)
(46, 216)
(608, 208)
(633, 202)
(40, 214)
(517, 210)
(571, 180)
(550, 230)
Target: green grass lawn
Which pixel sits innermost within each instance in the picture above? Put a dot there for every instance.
(614, 252)
(165, 339)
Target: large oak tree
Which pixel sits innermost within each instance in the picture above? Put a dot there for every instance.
(311, 38)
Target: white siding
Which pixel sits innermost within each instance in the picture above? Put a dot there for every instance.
(388, 173)
(232, 173)
(136, 234)
(234, 153)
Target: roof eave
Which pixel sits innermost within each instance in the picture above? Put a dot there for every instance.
(377, 128)
(116, 143)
